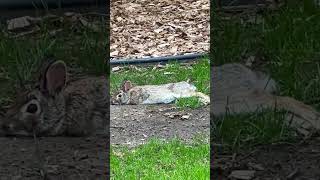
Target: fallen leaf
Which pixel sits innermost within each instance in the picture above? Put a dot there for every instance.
(18, 23)
(52, 169)
(55, 32)
(158, 66)
(116, 69)
(69, 14)
(242, 174)
(174, 50)
(118, 154)
(184, 117)
(168, 73)
(27, 32)
(158, 30)
(114, 53)
(255, 166)
(89, 25)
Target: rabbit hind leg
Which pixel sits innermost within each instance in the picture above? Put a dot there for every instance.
(205, 99)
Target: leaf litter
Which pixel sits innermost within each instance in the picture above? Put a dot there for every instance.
(26, 25)
(141, 29)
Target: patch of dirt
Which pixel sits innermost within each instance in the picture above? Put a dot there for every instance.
(282, 161)
(158, 28)
(64, 158)
(132, 125)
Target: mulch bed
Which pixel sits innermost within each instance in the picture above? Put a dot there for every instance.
(159, 28)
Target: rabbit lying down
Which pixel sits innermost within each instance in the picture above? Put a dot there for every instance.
(241, 90)
(57, 108)
(157, 94)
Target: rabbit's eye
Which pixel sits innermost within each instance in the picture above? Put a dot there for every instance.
(32, 108)
(120, 95)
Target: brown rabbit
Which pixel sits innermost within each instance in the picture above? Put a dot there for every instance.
(55, 107)
(241, 90)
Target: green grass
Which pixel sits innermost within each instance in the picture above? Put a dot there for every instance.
(287, 40)
(79, 47)
(192, 102)
(244, 131)
(161, 160)
(287, 43)
(198, 73)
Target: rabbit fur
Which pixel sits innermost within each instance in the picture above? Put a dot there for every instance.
(157, 94)
(55, 107)
(238, 89)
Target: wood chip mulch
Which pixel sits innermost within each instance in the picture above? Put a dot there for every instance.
(156, 28)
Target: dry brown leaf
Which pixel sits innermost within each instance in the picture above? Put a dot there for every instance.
(18, 23)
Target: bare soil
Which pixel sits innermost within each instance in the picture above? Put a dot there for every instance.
(60, 158)
(132, 125)
(282, 161)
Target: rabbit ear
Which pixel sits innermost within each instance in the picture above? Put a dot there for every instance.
(126, 86)
(54, 78)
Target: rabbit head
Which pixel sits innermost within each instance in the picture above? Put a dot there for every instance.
(122, 96)
(42, 109)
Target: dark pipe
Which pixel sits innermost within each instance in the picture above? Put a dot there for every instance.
(25, 4)
(187, 57)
